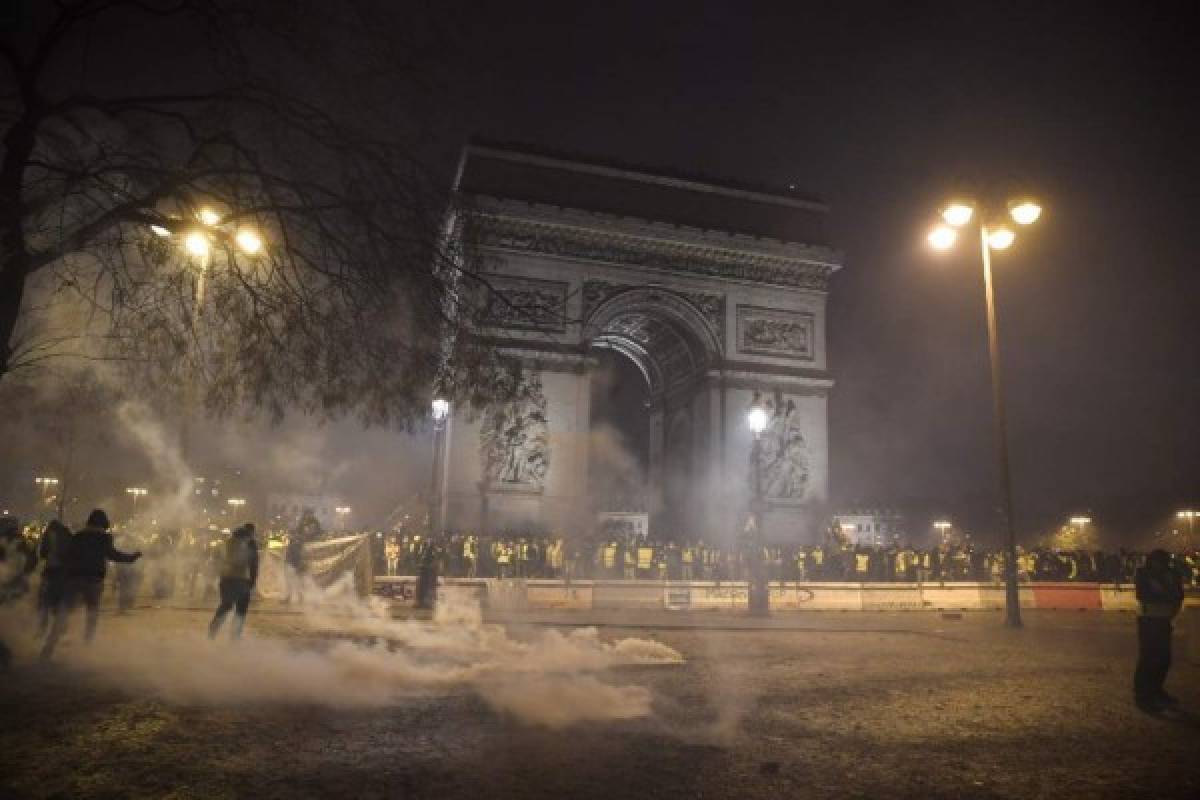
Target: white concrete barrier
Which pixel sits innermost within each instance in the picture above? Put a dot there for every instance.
(515, 594)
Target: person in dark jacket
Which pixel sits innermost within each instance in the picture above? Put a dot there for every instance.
(87, 560)
(1160, 597)
(239, 573)
(52, 550)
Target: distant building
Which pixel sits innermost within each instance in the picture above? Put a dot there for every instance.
(872, 527)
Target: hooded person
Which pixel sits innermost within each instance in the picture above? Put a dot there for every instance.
(239, 573)
(87, 558)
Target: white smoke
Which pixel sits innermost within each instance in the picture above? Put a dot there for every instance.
(346, 653)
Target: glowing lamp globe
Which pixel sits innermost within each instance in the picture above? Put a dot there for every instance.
(1001, 238)
(957, 214)
(942, 237)
(756, 418)
(196, 243)
(249, 241)
(1025, 212)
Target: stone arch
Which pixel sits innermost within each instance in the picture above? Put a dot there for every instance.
(664, 333)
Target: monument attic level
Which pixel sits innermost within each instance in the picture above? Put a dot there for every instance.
(715, 290)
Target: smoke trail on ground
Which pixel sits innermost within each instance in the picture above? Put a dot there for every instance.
(349, 653)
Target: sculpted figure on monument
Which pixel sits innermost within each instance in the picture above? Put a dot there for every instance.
(514, 437)
(783, 456)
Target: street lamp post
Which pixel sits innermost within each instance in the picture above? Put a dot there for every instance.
(759, 597)
(45, 484)
(137, 493)
(440, 410)
(198, 236)
(236, 504)
(994, 236)
(1190, 515)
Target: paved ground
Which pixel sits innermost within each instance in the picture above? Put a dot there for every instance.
(826, 705)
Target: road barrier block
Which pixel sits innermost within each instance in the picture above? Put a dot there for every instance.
(710, 596)
(892, 597)
(554, 594)
(627, 595)
(1067, 596)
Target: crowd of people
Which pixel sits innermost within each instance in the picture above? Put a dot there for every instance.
(637, 558)
(64, 570)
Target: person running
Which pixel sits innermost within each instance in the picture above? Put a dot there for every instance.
(239, 573)
(52, 549)
(88, 555)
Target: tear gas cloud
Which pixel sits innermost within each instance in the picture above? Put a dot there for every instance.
(347, 653)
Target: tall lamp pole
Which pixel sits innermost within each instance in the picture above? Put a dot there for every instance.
(994, 236)
(759, 597)
(440, 410)
(1190, 516)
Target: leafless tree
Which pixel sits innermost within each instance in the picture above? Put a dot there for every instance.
(323, 279)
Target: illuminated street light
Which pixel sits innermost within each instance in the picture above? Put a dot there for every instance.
(1190, 516)
(756, 419)
(942, 237)
(208, 217)
(957, 214)
(249, 241)
(440, 408)
(197, 244)
(45, 484)
(1080, 522)
(1001, 239)
(159, 230)
(137, 493)
(759, 596)
(996, 237)
(1025, 212)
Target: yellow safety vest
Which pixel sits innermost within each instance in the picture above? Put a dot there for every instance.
(645, 555)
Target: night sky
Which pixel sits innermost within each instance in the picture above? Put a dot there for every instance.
(882, 110)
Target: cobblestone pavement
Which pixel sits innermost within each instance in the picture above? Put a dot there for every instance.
(823, 705)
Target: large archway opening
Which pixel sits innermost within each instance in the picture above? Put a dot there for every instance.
(619, 439)
(650, 349)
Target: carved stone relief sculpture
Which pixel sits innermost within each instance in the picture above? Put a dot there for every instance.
(514, 438)
(527, 303)
(783, 464)
(775, 332)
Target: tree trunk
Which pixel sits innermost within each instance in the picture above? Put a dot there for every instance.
(14, 268)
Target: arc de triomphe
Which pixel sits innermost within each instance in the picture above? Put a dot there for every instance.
(716, 292)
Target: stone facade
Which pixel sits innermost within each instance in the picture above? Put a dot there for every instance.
(712, 317)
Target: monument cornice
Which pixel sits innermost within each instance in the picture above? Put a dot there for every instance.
(567, 233)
